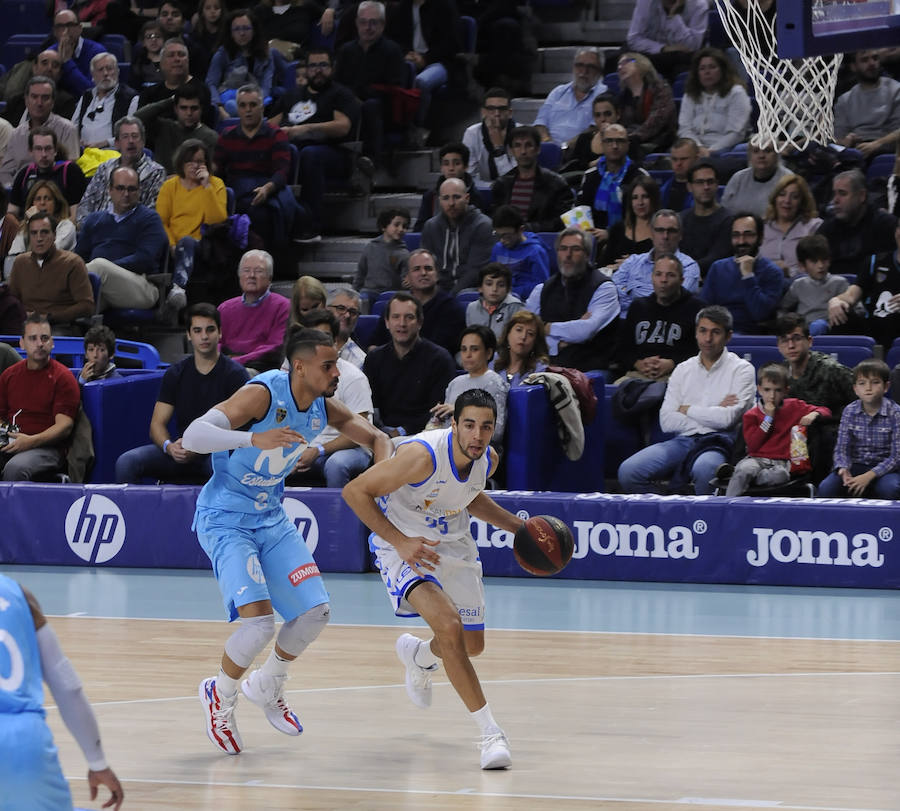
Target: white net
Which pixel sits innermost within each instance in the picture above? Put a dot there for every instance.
(795, 96)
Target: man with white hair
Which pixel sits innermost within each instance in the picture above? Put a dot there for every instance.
(254, 322)
(106, 102)
(568, 110)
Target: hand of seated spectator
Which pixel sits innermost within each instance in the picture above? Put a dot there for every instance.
(856, 485)
(261, 194)
(837, 311)
(729, 400)
(599, 234)
(745, 265)
(809, 419)
(868, 148)
(18, 443)
(326, 22)
(87, 371)
(178, 453)
(417, 59)
(306, 459)
(442, 411)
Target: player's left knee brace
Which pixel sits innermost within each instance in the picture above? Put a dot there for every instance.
(296, 636)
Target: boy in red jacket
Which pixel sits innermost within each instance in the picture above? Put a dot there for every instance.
(767, 432)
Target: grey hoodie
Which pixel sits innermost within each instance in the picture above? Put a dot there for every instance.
(471, 241)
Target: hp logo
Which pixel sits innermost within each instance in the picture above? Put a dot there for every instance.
(95, 529)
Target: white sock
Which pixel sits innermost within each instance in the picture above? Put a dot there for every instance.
(485, 720)
(226, 685)
(275, 665)
(424, 657)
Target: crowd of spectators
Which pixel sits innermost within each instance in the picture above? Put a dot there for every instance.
(550, 243)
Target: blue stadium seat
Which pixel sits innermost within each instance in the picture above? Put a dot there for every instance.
(549, 240)
(124, 72)
(550, 156)
(467, 296)
(611, 80)
(26, 17)
(678, 86)
(365, 329)
(881, 166)
(116, 44)
(70, 351)
(119, 410)
(380, 304)
(893, 354)
(412, 239)
(19, 47)
(759, 355)
(468, 33)
(821, 341)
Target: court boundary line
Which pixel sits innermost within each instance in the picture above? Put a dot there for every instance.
(696, 802)
(536, 680)
(423, 627)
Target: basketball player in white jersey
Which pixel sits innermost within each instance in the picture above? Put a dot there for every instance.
(30, 776)
(259, 558)
(417, 505)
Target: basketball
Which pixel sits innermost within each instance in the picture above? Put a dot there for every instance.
(544, 545)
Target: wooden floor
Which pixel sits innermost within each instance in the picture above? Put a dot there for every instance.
(596, 721)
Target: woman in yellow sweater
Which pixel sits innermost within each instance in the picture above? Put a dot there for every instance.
(187, 201)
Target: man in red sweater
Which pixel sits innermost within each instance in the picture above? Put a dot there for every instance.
(41, 397)
(767, 432)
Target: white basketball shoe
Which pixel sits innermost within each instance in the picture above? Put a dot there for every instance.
(268, 692)
(495, 751)
(418, 678)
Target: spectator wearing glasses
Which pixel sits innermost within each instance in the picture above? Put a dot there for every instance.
(146, 63)
(254, 322)
(130, 140)
(633, 279)
(106, 102)
(588, 146)
(175, 70)
(602, 187)
(645, 99)
(46, 63)
(578, 305)
(124, 245)
(75, 51)
(344, 302)
(66, 175)
(567, 111)
(488, 142)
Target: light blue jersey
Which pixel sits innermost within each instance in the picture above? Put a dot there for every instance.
(30, 776)
(21, 683)
(250, 480)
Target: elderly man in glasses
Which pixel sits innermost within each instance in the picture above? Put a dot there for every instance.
(344, 302)
(567, 112)
(123, 245)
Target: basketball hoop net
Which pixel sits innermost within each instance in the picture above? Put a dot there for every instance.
(795, 96)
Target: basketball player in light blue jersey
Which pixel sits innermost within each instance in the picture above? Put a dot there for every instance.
(259, 558)
(30, 776)
(417, 505)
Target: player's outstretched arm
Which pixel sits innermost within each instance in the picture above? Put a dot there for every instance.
(215, 430)
(73, 706)
(485, 508)
(411, 463)
(359, 430)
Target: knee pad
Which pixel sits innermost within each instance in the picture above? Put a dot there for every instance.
(295, 636)
(248, 641)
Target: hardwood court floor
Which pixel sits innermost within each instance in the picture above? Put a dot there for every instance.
(630, 722)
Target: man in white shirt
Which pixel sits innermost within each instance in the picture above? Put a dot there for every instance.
(104, 104)
(706, 397)
(490, 153)
(331, 454)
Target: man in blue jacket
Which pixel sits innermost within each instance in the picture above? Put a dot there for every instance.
(123, 245)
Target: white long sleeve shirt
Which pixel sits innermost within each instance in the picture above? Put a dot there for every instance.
(702, 389)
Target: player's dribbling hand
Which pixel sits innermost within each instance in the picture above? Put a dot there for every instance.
(416, 552)
(107, 777)
(275, 438)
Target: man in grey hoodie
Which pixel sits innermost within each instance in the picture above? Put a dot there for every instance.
(460, 237)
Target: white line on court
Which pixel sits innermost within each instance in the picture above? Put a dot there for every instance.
(701, 634)
(696, 802)
(546, 680)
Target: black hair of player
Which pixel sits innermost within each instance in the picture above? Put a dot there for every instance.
(474, 397)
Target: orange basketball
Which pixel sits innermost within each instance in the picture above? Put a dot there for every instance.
(544, 545)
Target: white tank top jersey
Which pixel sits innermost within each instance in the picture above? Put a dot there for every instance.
(436, 507)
